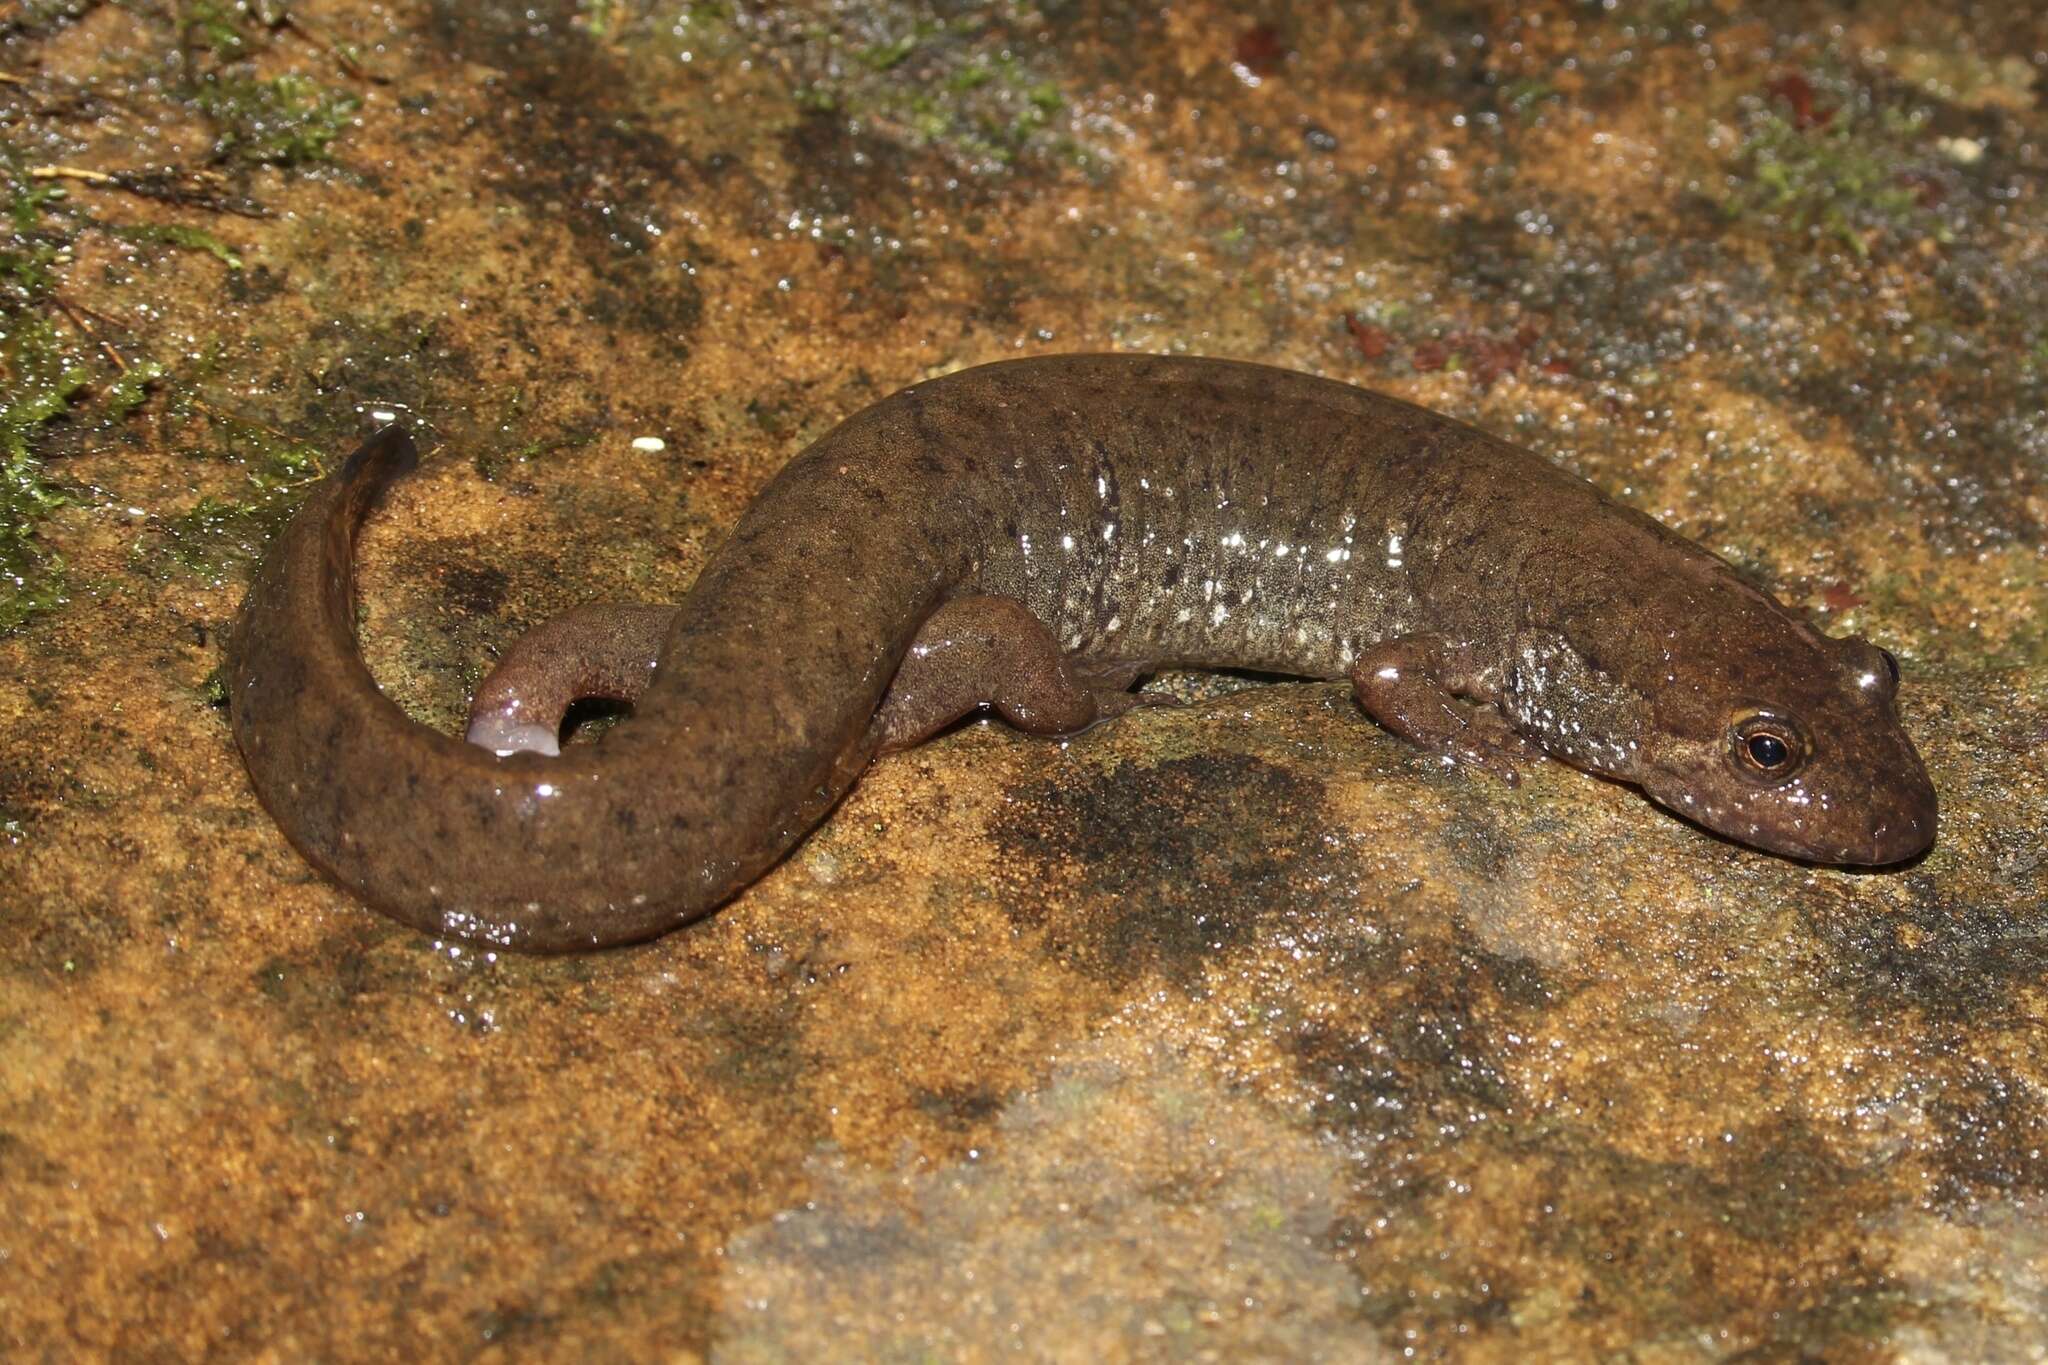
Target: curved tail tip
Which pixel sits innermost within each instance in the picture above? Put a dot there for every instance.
(388, 453)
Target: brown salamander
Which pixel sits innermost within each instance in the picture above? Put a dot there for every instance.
(1034, 536)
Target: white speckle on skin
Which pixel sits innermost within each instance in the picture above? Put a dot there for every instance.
(649, 445)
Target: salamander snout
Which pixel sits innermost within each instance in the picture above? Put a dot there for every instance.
(1846, 812)
(1823, 771)
(1902, 827)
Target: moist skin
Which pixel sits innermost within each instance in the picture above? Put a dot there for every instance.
(1034, 536)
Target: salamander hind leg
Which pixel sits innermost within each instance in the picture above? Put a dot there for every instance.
(1418, 687)
(992, 651)
(600, 650)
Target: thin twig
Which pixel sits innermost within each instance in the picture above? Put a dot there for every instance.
(90, 335)
(216, 415)
(97, 316)
(73, 173)
(349, 65)
(193, 189)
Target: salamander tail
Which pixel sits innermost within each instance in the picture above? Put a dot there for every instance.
(388, 454)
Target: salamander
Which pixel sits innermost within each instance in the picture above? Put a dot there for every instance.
(1035, 536)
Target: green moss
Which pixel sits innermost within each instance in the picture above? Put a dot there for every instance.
(888, 56)
(598, 16)
(41, 382)
(127, 393)
(214, 26)
(179, 235)
(36, 16)
(285, 121)
(956, 86)
(220, 533)
(1850, 180)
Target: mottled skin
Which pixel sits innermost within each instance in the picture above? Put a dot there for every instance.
(1035, 535)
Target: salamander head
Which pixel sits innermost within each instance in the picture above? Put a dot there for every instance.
(1791, 742)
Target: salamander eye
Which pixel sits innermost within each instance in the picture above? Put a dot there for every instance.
(1767, 747)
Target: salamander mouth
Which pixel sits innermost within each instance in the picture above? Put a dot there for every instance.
(1897, 832)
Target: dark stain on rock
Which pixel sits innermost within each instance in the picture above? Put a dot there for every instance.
(476, 590)
(578, 150)
(1954, 962)
(410, 362)
(1756, 1234)
(759, 1045)
(320, 984)
(1178, 861)
(1420, 1045)
(24, 1163)
(842, 172)
(58, 940)
(673, 1283)
(959, 1108)
(1993, 1128)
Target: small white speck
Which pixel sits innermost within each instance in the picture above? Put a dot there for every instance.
(650, 445)
(1964, 151)
(383, 415)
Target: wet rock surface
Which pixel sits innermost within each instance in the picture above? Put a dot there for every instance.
(1231, 1031)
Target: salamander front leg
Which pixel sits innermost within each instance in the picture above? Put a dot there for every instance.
(599, 650)
(1420, 689)
(991, 651)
